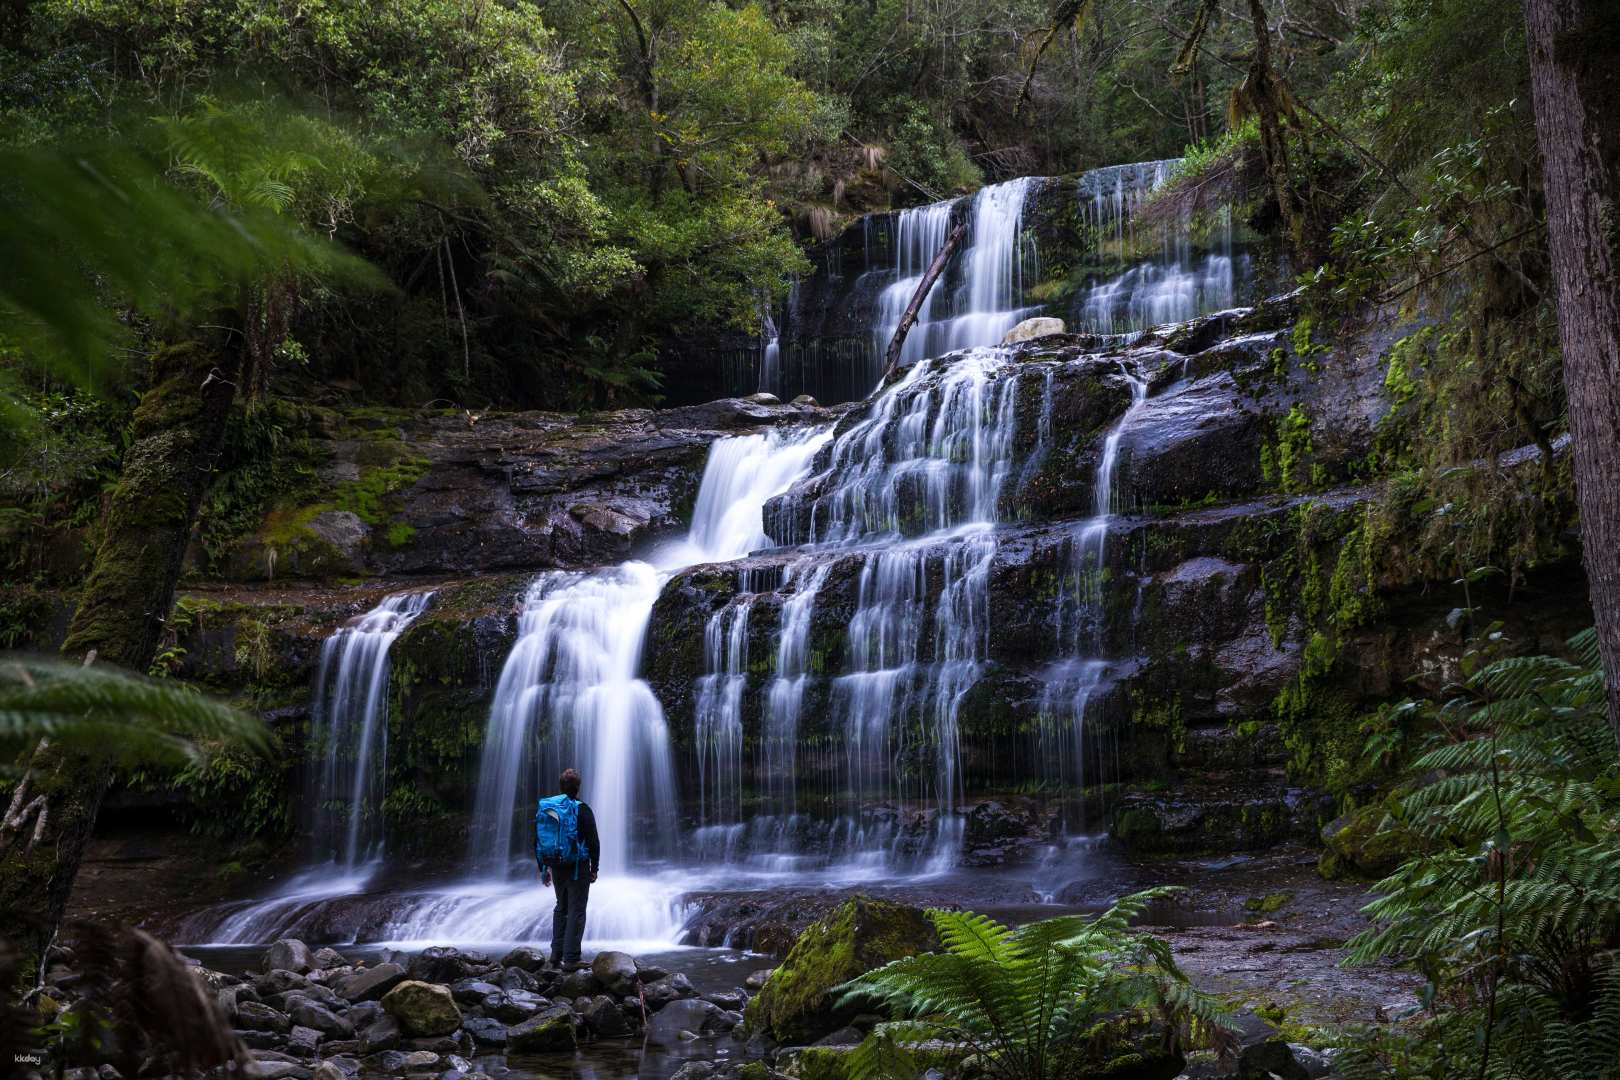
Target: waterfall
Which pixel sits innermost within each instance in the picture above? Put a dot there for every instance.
(349, 732)
(985, 305)
(569, 693)
(1171, 286)
(1078, 617)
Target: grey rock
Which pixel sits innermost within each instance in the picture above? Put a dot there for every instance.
(326, 1070)
(516, 1006)
(689, 1014)
(313, 1015)
(517, 978)
(381, 1034)
(370, 984)
(661, 992)
(485, 1031)
(604, 1017)
(1270, 1060)
(278, 982)
(524, 958)
(807, 400)
(302, 1041)
(288, 954)
(650, 972)
(616, 971)
(756, 979)
(728, 999)
(326, 959)
(364, 1013)
(473, 991)
(844, 1036)
(579, 983)
(1030, 329)
(548, 1030)
(763, 398)
(256, 1017)
(276, 1070)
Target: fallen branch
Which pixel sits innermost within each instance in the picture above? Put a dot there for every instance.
(935, 268)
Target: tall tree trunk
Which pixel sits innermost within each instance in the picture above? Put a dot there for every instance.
(1576, 84)
(178, 430)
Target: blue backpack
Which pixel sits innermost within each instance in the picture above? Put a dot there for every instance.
(556, 832)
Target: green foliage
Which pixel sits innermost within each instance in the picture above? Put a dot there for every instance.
(1512, 909)
(108, 712)
(1046, 1000)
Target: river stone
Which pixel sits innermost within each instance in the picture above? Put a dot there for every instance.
(649, 972)
(313, 1015)
(515, 1006)
(370, 984)
(257, 1017)
(763, 398)
(806, 399)
(445, 964)
(313, 992)
(279, 981)
(525, 958)
(1030, 329)
(327, 1070)
(616, 971)
(485, 1031)
(1270, 1060)
(579, 983)
(797, 1005)
(1358, 845)
(261, 1040)
(516, 978)
(727, 999)
(473, 991)
(550, 1029)
(670, 988)
(276, 1070)
(327, 958)
(757, 979)
(690, 1014)
(422, 1009)
(288, 954)
(382, 1033)
(302, 1041)
(604, 1017)
(400, 1062)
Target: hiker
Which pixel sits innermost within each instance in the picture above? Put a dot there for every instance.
(568, 851)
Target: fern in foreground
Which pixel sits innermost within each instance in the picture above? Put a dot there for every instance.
(1511, 909)
(1042, 1002)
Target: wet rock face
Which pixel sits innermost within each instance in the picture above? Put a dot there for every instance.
(454, 493)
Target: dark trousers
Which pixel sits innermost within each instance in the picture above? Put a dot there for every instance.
(568, 921)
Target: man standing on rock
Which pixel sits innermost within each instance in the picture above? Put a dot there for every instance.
(568, 851)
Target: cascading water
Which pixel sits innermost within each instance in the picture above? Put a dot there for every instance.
(986, 303)
(349, 732)
(1072, 681)
(1169, 286)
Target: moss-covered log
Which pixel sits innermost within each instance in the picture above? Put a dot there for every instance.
(177, 432)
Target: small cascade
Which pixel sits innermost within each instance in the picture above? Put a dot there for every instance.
(349, 732)
(990, 272)
(719, 726)
(569, 694)
(1072, 681)
(1169, 286)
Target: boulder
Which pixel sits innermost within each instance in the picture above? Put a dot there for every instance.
(516, 978)
(551, 1029)
(257, 1017)
(581, 983)
(604, 1017)
(485, 1031)
(525, 958)
(616, 971)
(276, 1070)
(445, 964)
(381, 1034)
(328, 1070)
(370, 984)
(727, 999)
(649, 972)
(762, 398)
(324, 959)
(310, 1014)
(756, 979)
(661, 992)
(1270, 1060)
(473, 991)
(302, 1041)
(422, 1009)
(514, 1006)
(796, 1004)
(1030, 329)
(1359, 846)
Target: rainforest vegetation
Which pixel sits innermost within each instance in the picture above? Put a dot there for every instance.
(224, 223)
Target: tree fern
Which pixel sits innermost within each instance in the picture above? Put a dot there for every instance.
(1512, 908)
(1035, 1003)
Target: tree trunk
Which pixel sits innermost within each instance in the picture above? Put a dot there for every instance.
(1576, 85)
(891, 359)
(178, 430)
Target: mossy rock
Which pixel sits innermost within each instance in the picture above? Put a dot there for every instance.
(796, 1005)
(423, 1009)
(1359, 846)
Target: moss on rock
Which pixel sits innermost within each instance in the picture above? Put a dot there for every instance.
(1358, 845)
(797, 1005)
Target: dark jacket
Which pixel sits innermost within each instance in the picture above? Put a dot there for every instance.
(588, 837)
